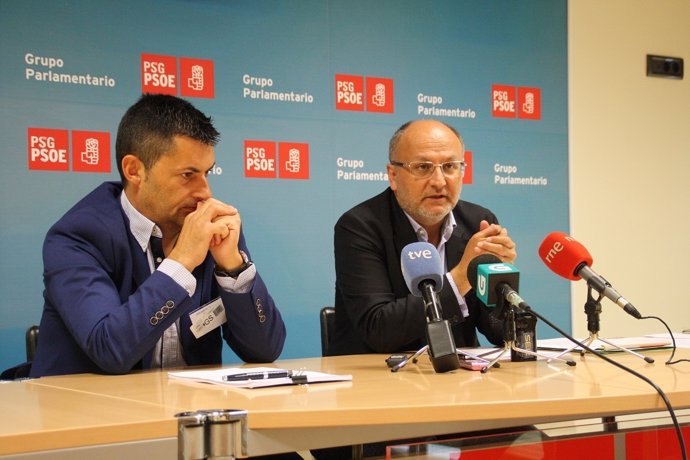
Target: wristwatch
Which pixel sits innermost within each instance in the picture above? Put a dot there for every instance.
(236, 272)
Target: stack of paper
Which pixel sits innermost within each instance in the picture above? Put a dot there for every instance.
(235, 377)
(631, 343)
(682, 338)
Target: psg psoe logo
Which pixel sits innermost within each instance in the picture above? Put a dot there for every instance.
(262, 160)
(515, 102)
(48, 150)
(357, 93)
(159, 76)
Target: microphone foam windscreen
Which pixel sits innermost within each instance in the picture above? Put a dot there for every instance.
(419, 262)
(563, 254)
(474, 263)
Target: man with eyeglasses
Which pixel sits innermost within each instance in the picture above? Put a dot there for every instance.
(375, 311)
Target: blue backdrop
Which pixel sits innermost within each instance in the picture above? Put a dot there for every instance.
(330, 79)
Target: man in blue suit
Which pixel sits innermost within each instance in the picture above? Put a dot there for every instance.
(112, 302)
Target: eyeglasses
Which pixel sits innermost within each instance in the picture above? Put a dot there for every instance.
(425, 169)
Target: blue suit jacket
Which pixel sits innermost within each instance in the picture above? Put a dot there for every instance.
(100, 297)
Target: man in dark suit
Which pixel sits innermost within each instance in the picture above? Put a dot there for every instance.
(113, 301)
(374, 310)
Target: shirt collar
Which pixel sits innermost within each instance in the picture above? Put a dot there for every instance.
(449, 225)
(141, 227)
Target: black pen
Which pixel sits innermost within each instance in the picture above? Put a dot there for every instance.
(256, 376)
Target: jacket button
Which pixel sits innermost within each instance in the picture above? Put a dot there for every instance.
(260, 311)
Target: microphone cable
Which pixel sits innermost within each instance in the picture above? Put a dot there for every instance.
(672, 413)
(673, 339)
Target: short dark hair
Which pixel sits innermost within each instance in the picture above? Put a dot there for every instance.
(395, 139)
(148, 128)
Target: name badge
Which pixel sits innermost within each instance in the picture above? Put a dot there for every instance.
(207, 317)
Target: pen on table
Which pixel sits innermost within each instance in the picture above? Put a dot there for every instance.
(256, 376)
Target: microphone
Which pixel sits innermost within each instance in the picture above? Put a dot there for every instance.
(493, 279)
(423, 272)
(568, 258)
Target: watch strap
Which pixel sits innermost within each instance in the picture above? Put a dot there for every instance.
(236, 272)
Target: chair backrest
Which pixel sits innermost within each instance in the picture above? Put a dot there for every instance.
(21, 371)
(327, 320)
(31, 342)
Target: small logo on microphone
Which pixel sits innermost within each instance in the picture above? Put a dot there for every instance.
(500, 268)
(550, 255)
(481, 285)
(422, 254)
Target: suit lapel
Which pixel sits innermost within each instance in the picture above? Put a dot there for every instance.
(140, 264)
(454, 248)
(454, 245)
(403, 233)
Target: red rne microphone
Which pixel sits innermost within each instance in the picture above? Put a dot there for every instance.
(568, 258)
(564, 255)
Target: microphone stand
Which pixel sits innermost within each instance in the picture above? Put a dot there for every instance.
(509, 339)
(593, 309)
(433, 316)
(415, 357)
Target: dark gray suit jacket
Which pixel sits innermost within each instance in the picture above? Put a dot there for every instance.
(374, 310)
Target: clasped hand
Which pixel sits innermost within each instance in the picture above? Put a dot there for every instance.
(214, 226)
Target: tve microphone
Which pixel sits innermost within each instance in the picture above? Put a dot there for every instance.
(568, 258)
(421, 264)
(423, 272)
(492, 279)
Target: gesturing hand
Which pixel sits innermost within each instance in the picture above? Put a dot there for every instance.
(490, 239)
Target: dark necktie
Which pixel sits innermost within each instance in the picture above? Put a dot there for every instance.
(157, 250)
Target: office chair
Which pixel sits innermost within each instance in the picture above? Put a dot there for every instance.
(21, 371)
(327, 320)
(31, 342)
